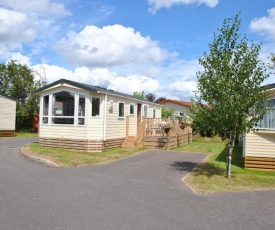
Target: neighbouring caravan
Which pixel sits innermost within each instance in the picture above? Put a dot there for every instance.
(7, 116)
(259, 146)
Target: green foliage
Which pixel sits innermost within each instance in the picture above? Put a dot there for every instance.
(203, 121)
(18, 81)
(165, 113)
(139, 94)
(230, 81)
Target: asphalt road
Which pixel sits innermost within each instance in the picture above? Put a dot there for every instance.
(144, 191)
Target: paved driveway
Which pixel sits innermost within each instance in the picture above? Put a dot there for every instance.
(140, 192)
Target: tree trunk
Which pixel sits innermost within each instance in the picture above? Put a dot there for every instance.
(230, 147)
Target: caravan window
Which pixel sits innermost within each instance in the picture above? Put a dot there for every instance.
(95, 106)
(64, 108)
(268, 122)
(132, 109)
(121, 109)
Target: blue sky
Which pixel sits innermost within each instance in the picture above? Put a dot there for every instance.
(126, 45)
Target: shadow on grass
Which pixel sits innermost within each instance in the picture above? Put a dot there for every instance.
(237, 158)
(209, 170)
(206, 169)
(215, 165)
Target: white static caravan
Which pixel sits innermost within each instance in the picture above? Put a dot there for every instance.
(7, 116)
(91, 118)
(259, 146)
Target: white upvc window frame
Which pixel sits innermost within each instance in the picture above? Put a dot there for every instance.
(55, 116)
(268, 118)
(76, 116)
(118, 109)
(45, 117)
(80, 117)
(143, 110)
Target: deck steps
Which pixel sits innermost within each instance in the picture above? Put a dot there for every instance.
(129, 143)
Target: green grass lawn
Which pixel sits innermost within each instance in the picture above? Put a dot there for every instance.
(25, 135)
(210, 176)
(65, 157)
(22, 135)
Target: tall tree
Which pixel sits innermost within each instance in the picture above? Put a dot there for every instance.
(230, 83)
(18, 81)
(150, 97)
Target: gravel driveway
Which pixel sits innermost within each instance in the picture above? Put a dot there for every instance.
(144, 191)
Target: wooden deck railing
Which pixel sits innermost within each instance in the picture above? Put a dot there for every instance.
(163, 127)
(161, 132)
(140, 133)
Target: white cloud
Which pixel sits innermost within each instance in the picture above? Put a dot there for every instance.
(265, 25)
(183, 87)
(134, 83)
(155, 5)
(15, 27)
(178, 80)
(6, 48)
(179, 90)
(98, 77)
(44, 7)
(52, 73)
(185, 70)
(109, 46)
(24, 60)
(25, 22)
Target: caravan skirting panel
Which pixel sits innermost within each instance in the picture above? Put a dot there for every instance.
(260, 163)
(7, 133)
(84, 145)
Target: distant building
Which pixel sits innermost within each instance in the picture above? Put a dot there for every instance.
(181, 108)
(259, 146)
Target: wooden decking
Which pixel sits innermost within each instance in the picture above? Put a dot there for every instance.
(152, 133)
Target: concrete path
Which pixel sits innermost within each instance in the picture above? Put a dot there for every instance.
(144, 191)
